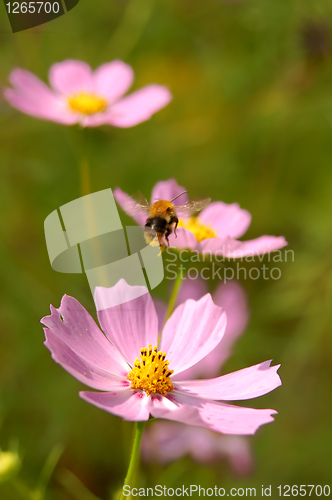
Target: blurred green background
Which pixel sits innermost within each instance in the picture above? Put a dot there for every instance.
(251, 122)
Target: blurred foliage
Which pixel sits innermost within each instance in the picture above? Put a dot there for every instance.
(251, 122)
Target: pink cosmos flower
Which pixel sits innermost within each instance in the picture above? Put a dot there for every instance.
(136, 379)
(214, 230)
(168, 441)
(80, 95)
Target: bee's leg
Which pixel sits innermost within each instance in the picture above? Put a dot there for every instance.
(161, 243)
(176, 225)
(175, 221)
(167, 233)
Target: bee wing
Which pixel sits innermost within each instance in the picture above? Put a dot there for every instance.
(137, 209)
(139, 203)
(192, 206)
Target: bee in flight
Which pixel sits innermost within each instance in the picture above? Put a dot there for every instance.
(163, 219)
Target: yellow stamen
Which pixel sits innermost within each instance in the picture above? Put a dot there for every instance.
(201, 231)
(151, 374)
(87, 103)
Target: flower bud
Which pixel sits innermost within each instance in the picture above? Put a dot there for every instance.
(9, 465)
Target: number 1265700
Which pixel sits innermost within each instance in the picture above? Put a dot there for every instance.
(304, 490)
(32, 7)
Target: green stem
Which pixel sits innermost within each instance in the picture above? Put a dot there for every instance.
(134, 457)
(174, 294)
(84, 162)
(85, 178)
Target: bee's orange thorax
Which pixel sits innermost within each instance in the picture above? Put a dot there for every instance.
(160, 207)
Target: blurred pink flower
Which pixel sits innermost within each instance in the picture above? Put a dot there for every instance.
(166, 442)
(79, 95)
(135, 389)
(214, 230)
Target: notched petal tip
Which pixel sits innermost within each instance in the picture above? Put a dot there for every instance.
(274, 368)
(267, 364)
(57, 312)
(54, 312)
(46, 330)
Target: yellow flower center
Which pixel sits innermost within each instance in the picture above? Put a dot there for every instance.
(201, 231)
(87, 103)
(151, 374)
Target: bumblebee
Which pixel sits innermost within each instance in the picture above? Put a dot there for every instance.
(163, 219)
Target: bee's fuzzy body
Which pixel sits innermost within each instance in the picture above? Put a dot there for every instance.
(160, 223)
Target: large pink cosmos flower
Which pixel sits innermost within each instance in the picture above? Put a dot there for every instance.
(168, 441)
(79, 95)
(214, 230)
(136, 388)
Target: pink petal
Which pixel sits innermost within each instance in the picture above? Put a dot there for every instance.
(139, 106)
(232, 298)
(26, 83)
(33, 97)
(70, 77)
(211, 415)
(74, 326)
(167, 190)
(128, 404)
(234, 419)
(195, 289)
(112, 80)
(231, 248)
(120, 293)
(226, 220)
(80, 368)
(130, 206)
(259, 246)
(243, 384)
(95, 120)
(184, 239)
(218, 246)
(193, 330)
(130, 326)
(192, 289)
